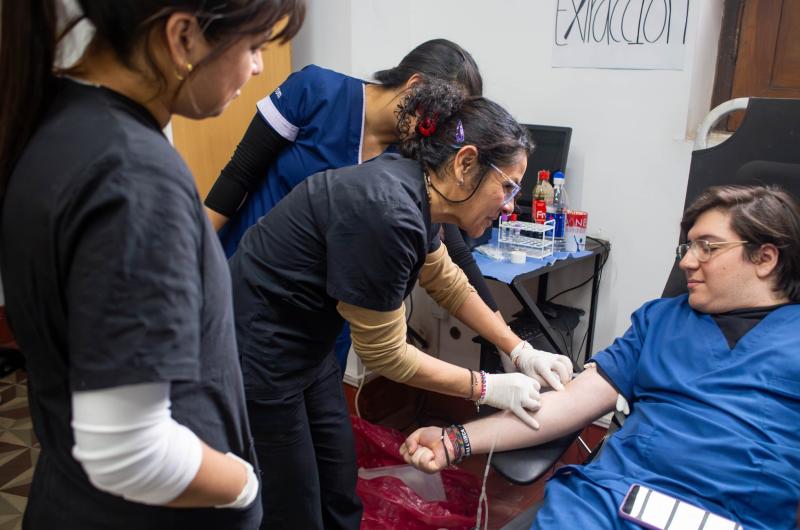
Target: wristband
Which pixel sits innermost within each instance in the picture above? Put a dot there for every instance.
(444, 446)
(472, 384)
(250, 490)
(458, 451)
(462, 434)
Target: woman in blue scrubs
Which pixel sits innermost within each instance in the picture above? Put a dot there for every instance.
(319, 119)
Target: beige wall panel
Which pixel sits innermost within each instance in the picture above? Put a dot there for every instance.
(208, 144)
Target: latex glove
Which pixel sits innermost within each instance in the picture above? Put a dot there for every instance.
(515, 392)
(424, 449)
(508, 364)
(622, 405)
(555, 370)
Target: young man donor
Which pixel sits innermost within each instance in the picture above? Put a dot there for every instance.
(712, 378)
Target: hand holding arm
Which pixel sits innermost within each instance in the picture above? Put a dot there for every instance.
(515, 392)
(554, 370)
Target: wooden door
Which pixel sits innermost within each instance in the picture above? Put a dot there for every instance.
(768, 58)
(207, 145)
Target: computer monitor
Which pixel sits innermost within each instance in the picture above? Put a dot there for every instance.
(552, 148)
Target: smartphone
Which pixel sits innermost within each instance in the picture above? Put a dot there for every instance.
(658, 511)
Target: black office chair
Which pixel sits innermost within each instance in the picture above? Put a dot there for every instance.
(764, 150)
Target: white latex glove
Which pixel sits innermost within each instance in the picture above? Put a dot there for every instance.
(555, 370)
(515, 392)
(622, 405)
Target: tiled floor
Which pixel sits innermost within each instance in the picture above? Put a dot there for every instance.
(18, 449)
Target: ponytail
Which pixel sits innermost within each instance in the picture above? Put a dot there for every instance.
(27, 53)
(436, 59)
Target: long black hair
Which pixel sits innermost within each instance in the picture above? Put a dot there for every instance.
(29, 39)
(443, 120)
(436, 59)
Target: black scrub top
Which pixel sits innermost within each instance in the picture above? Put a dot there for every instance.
(358, 234)
(113, 276)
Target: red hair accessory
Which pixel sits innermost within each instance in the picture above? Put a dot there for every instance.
(427, 125)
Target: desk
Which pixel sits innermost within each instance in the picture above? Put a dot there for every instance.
(515, 275)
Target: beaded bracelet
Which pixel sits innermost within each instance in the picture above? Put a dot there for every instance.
(482, 398)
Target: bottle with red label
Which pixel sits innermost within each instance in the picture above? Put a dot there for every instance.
(542, 193)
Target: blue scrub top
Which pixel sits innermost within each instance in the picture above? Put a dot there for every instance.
(713, 426)
(322, 113)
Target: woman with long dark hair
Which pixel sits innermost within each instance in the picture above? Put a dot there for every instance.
(116, 288)
(349, 244)
(319, 119)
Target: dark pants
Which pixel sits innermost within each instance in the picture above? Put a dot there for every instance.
(306, 452)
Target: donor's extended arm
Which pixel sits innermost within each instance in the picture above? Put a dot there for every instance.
(584, 399)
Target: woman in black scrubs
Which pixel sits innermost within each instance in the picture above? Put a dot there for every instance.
(349, 244)
(334, 121)
(117, 290)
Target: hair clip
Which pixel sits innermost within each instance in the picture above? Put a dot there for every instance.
(459, 132)
(427, 126)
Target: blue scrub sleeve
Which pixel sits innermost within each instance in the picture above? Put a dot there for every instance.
(620, 361)
(290, 107)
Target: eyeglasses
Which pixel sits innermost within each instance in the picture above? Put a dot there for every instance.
(702, 249)
(511, 188)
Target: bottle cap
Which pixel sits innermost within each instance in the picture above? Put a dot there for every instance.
(544, 174)
(558, 175)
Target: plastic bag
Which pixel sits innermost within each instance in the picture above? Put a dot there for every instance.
(428, 486)
(390, 504)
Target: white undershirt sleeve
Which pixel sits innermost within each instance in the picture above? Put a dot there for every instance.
(129, 444)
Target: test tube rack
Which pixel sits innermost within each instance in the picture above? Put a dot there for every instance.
(535, 239)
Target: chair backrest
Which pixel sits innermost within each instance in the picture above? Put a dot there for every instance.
(764, 150)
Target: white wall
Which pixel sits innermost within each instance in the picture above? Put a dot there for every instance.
(631, 142)
(325, 36)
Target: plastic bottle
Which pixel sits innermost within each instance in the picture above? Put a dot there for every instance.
(547, 188)
(539, 205)
(560, 207)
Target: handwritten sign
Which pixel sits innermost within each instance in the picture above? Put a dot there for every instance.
(626, 34)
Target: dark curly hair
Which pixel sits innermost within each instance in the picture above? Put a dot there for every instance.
(497, 136)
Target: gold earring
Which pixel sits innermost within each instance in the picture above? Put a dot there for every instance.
(178, 76)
